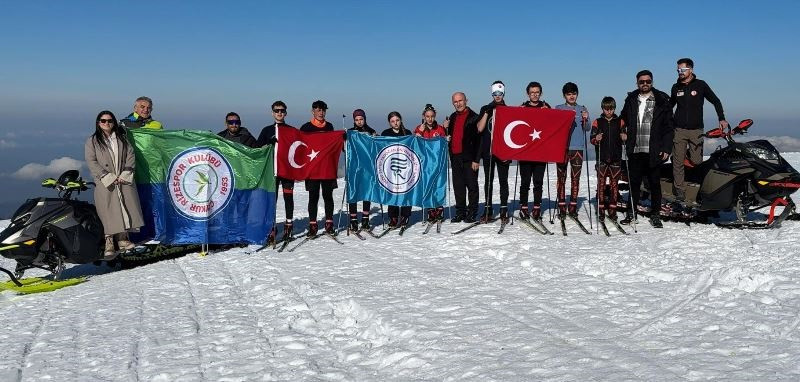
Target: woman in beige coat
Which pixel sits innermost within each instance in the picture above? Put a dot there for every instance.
(110, 158)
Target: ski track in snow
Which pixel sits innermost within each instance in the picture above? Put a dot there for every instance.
(682, 303)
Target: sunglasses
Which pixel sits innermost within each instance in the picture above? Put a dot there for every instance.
(103, 120)
(642, 82)
(684, 70)
(277, 111)
(234, 122)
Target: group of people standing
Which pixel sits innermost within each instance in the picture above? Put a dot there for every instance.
(647, 131)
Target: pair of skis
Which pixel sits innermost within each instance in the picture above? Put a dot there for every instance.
(536, 225)
(616, 225)
(577, 222)
(503, 223)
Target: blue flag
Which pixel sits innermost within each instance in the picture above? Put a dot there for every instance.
(400, 171)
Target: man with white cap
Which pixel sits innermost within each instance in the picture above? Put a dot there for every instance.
(490, 162)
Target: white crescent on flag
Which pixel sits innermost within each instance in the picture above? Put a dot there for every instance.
(507, 134)
(292, 150)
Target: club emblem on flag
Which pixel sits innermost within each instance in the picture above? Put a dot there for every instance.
(398, 168)
(200, 183)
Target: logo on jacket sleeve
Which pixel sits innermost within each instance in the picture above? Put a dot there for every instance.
(200, 183)
(398, 169)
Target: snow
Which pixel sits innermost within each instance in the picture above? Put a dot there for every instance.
(681, 303)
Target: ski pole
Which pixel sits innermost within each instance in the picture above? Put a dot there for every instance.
(549, 198)
(630, 193)
(599, 184)
(449, 206)
(588, 183)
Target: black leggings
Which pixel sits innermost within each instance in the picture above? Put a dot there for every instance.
(488, 179)
(527, 171)
(313, 187)
(353, 207)
(288, 196)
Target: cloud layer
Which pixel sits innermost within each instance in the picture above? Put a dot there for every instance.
(56, 167)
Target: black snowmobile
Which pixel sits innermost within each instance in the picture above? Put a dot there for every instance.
(48, 233)
(739, 177)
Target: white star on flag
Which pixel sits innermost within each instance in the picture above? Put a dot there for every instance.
(313, 154)
(536, 134)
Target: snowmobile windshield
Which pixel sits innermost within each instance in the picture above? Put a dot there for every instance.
(762, 150)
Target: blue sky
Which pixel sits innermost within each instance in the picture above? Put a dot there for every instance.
(65, 61)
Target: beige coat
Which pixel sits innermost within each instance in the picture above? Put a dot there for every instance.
(117, 204)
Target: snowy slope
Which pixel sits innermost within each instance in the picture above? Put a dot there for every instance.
(661, 305)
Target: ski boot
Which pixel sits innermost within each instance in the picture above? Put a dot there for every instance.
(392, 222)
(365, 223)
(601, 214)
(612, 214)
(403, 222)
(487, 215)
(287, 231)
(329, 228)
(312, 229)
(503, 214)
(271, 236)
(458, 218)
(523, 213)
(537, 213)
(353, 224)
(573, 209)
(440, 214)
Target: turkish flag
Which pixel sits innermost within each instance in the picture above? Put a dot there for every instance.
(304, 156)
(531, 134)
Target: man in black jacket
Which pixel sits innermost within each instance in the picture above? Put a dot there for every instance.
(648, 116)
(689, 93)
(465, 156)
(234, 131)
(269, 136)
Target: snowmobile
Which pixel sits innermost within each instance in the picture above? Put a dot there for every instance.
(48, 233)
(740, 177)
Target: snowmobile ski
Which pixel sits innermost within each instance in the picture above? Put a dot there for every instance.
(31, 285)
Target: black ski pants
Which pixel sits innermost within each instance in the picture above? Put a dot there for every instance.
(465, 185)
(489, 167)
(287, 185)
(528, 171)
(639, 167)
(313, 187)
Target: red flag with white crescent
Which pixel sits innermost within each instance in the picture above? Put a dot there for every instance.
(531, 134)
(304, 155)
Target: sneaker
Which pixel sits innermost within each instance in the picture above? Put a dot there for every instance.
(109, 252)
(627, 220)
(123, 243)
(329, 229)
(392, 222)
(312, 229)
(287, 231)
(365, 223)
(655, 221)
